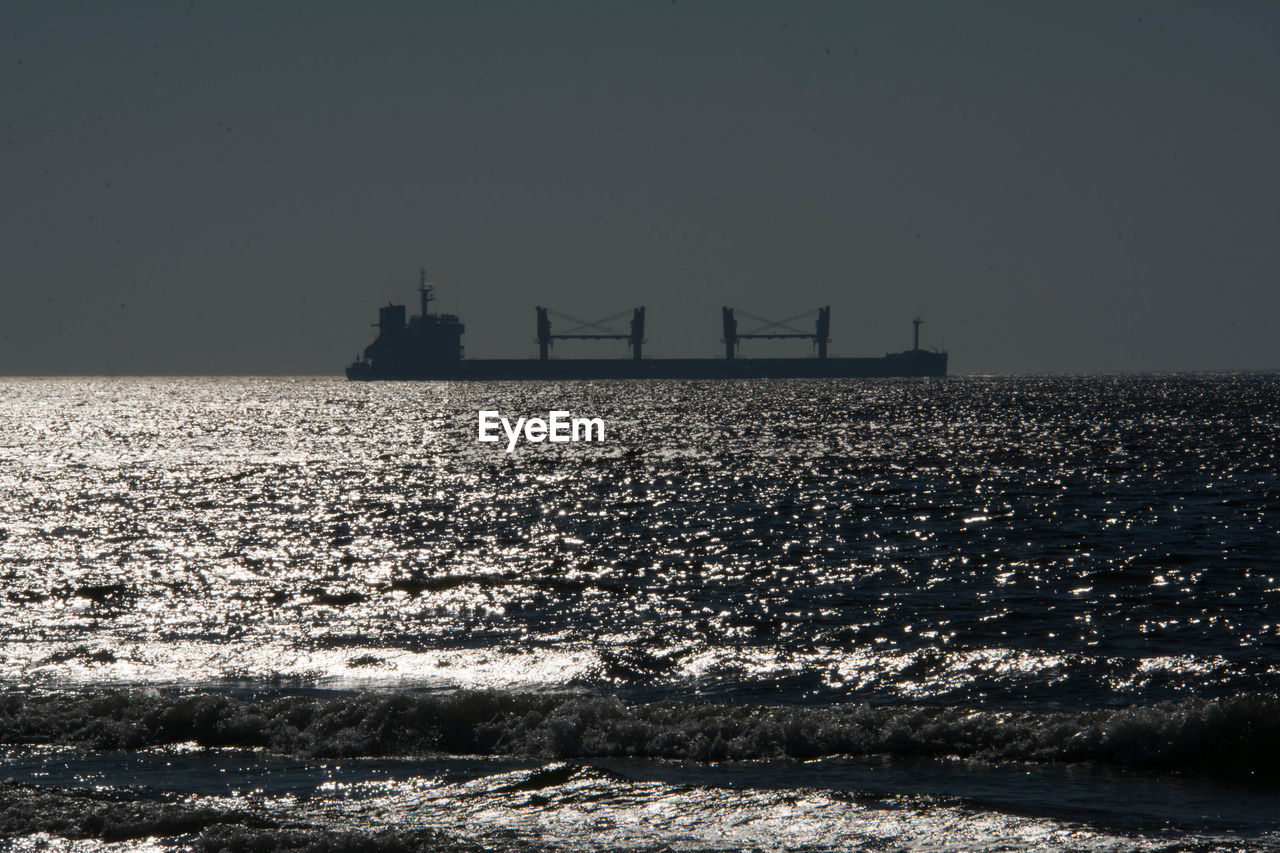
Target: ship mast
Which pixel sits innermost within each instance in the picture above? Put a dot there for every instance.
(425, 289)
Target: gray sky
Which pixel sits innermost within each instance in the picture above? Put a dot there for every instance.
(234, 189)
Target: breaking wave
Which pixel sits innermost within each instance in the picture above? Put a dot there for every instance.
(1238, 735)
(119, 815)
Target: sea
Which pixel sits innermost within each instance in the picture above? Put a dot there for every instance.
(972, 613)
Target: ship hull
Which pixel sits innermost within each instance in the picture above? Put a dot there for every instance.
(917, 363)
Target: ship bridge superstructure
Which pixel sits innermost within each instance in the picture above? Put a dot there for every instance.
(422, 342)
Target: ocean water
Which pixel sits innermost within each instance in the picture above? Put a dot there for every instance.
(1037, 613)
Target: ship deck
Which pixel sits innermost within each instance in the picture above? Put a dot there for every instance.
(907, 364)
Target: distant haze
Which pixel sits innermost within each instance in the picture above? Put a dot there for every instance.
(236, 188)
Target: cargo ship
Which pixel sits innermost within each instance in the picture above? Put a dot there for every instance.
(429, 346)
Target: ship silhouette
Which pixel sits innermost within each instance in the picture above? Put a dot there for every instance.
(429, 346)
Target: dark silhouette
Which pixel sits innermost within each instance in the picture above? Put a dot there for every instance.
(429, 346)
(634, 338)
(821, 334)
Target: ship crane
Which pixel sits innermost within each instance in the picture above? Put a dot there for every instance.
(821, 335)
(596, 330)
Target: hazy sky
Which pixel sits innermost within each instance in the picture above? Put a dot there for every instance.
(236, 188)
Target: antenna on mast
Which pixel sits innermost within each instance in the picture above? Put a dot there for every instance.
(425, 289)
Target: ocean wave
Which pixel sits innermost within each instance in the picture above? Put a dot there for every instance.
(1238, 735)
(112, 815)
(121, 815)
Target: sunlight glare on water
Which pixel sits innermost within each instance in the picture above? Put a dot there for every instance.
(1097, 539)
(1003, 582)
